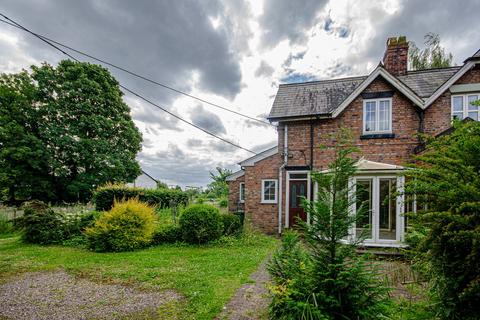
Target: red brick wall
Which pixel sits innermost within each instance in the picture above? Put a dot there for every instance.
(234, 194)
(397, 150)
(438, 115)
(263, 216)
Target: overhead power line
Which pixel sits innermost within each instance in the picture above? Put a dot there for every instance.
(16, 24)
(140, 76)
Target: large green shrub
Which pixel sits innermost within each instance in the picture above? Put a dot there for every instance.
(446, 177)
(231, 224)
(201, 223)
(129, 225)
(104, 197)
(169, 233)
(42, 226)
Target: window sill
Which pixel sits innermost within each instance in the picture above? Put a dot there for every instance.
(378, 136)
(268, 202)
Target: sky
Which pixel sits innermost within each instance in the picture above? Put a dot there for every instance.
(232, 53)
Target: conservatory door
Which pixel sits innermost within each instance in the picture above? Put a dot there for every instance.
(381, 207)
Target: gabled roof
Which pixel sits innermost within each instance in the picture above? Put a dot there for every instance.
(328, 98)
(262, 155)
(234, 176)
(379, 71)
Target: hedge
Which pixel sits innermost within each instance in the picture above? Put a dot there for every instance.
(105, 196)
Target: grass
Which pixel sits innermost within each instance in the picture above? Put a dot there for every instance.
(207, 276)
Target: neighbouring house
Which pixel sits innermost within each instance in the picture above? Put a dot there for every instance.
(385, 111)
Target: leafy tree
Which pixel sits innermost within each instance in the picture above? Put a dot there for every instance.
(76, 132)
(446, 179)
(433, 56)
(325, 278)
(24, 162)
(219, 187)
(161, 185)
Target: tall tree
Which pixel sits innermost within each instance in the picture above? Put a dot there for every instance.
(82, 128)
(432, 56)
(219, 187)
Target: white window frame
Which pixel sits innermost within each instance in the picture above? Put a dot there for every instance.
(465, 104)
(263, 200)
(400, 216)
(240, 186)
(377, 115)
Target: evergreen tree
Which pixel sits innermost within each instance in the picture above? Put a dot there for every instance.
(446, 183)
(323, 277)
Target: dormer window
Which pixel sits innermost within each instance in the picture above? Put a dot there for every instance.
(377, 116)
(463, 107)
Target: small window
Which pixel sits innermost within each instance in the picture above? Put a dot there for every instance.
(269, 191)
(242, 192)
(377, 116)
(463, 106)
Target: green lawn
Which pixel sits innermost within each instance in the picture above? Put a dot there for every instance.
(206, 276)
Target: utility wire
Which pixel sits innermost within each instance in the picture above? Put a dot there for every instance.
(139, 76)
(14, 23)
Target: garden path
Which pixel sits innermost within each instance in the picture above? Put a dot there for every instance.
(251, 300)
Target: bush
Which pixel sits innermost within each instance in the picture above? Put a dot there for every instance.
(231, 225)
(42, 226)
(167, 234)
(104, 197)
(129, 225)
(223, 202)
(201, 223)
(446, 238)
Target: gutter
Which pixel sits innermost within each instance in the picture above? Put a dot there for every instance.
(280, 178)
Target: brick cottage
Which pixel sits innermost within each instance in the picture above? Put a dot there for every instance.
(385, 110)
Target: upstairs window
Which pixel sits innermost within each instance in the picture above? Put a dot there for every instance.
(377, 116)
(269, 191)
(242, 192)
(463, 107)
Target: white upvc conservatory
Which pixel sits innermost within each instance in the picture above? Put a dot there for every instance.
(380, 187)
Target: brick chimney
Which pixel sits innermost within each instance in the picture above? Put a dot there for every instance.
(395, 59)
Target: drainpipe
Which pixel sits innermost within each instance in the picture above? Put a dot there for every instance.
(311, 157)
(280, 177)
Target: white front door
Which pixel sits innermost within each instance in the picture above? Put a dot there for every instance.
(383, 219)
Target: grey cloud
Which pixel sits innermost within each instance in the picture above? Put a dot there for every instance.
(211, 145)
(452, 20)
(155, 118)
(164, 40)
(207, 120)
(174, 166)
(264, 70)
(264, 146)
(286, 19)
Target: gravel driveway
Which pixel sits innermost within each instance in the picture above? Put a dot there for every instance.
(58, 295)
